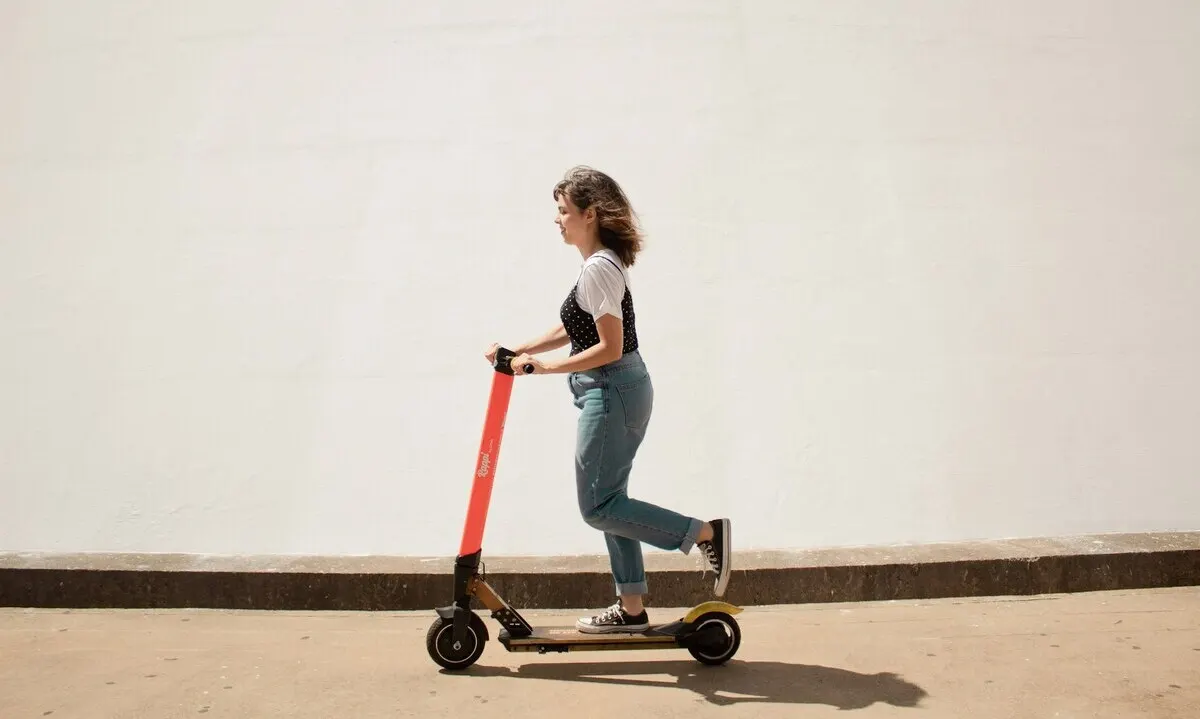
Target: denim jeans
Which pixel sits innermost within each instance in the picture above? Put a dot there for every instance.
(615, 402)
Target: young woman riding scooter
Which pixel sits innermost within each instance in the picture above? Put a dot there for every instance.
(611, 386)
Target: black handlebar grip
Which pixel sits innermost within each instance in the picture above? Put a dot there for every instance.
(504, 357)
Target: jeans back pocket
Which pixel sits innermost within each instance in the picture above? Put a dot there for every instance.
(637, 401)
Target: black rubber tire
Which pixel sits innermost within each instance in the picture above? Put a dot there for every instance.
(735, 639)
(440, 637)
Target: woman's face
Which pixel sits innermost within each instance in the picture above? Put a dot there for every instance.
(572, 223)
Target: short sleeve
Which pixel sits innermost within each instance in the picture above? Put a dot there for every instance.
(601, 289)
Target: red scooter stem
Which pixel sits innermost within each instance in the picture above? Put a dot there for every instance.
(485, 464)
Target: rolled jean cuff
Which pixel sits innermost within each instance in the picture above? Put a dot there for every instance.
(689, 539)
(633, 588)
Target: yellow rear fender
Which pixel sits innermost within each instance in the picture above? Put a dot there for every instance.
(701, 609)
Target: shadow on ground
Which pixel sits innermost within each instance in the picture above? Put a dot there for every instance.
(734, 683)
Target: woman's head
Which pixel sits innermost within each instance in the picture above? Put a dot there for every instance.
(590, 202)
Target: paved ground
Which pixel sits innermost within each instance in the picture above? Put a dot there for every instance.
(1116, 654)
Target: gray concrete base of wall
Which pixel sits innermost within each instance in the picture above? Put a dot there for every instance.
(993, 568)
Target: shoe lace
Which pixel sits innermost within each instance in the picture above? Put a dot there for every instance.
(707, 558)
(609, 614)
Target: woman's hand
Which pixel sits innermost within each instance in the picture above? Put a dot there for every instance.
(519, 362)
(491, 353)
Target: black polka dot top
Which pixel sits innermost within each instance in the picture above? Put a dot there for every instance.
(581, 328)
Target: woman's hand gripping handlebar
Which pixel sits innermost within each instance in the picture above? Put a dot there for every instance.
(501, 359)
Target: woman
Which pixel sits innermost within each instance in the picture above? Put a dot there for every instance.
(611, 386)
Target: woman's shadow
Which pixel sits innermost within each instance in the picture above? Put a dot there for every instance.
(734, 683)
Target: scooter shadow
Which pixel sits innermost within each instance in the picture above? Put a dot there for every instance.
(735, 683)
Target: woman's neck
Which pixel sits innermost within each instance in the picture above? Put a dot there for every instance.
(591, 247)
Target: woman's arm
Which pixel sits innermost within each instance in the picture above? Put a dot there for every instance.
(599, 287)
(553, 339)
(608, 350)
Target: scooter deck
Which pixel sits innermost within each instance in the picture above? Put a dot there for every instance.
(664, 635)
(549, 638)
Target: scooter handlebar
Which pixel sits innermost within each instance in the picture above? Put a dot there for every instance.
(503, 362)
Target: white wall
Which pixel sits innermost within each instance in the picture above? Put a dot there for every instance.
(917, 271)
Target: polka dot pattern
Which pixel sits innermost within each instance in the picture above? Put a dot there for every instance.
(581, 328)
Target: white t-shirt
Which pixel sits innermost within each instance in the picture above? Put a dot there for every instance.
(601, 284)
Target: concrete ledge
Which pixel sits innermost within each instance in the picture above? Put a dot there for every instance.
(1016, 567)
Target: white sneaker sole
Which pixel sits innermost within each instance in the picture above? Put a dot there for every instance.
(615, 629)
(726, 561)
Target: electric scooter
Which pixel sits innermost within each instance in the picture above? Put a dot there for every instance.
(457, 637)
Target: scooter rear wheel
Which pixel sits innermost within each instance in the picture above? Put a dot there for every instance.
(439, 642)
(721, 651)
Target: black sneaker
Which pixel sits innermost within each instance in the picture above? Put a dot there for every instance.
(614, 619)
(718, 555)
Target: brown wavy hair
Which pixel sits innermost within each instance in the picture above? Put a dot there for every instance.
(587, 187)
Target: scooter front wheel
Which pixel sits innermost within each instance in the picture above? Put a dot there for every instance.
(439, 642)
